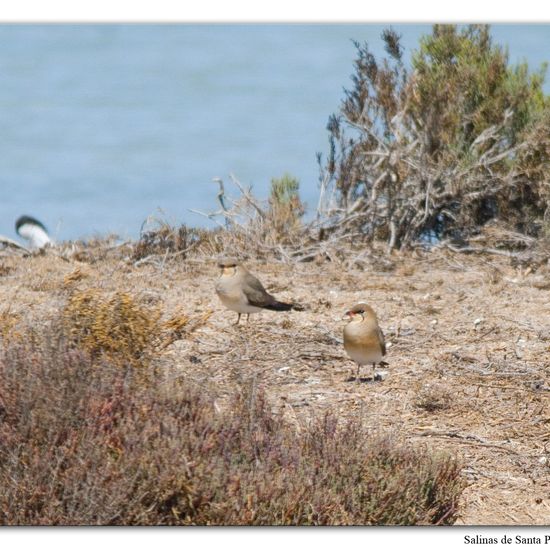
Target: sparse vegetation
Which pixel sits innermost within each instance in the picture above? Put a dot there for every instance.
(168, 240)
(433, 398)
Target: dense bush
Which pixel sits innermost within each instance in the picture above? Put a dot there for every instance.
(438, 148)
(83, 442)
(115, 325)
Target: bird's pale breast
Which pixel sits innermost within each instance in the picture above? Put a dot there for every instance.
(362, 343)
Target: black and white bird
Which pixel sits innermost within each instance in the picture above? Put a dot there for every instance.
(32, 231)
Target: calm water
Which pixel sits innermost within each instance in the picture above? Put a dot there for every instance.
(104, 125)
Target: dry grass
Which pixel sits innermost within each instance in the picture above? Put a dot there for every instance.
(115, 325)
(8, 323)
(468, 360)
(161, 238)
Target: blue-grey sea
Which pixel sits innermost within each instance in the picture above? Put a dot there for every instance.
(102, 126)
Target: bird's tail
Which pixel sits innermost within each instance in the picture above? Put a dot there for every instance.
(279, 306)
(282, 306)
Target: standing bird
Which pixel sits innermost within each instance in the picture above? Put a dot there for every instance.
(32, 231)
(240, 291)
(363, 339)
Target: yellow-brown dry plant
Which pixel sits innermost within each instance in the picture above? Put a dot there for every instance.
(8, 322)
(179, 325)
(115, 325)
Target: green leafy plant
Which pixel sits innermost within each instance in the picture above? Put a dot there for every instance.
(439, 149)
(285, 206)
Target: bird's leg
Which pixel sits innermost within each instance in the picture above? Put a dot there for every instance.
(247, 317)
(373, 372)
(238, 318)
(358, 370)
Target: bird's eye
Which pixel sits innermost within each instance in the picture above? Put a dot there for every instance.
(361, 311)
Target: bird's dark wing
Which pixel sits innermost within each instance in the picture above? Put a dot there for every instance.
(255, 293)
(382, 341)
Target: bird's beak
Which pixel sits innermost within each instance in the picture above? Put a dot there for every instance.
(347, 316)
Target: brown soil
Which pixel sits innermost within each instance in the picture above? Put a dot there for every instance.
(468, 352)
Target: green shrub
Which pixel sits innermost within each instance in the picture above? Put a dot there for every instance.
(439, 149)
(285, 207)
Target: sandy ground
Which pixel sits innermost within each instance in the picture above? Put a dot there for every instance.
(468, 354)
